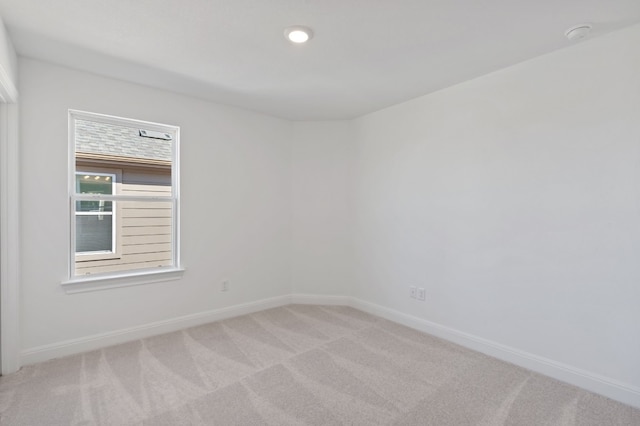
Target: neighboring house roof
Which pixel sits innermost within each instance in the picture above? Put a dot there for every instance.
(119, 141)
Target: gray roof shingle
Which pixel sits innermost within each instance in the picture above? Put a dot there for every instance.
(111, 139)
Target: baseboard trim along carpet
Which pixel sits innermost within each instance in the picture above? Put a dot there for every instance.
(97, 341)
(613, 389)
(610, 388)
(320, 299)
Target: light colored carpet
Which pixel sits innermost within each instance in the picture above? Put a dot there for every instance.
(296, 365)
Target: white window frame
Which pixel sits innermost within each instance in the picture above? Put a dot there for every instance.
(102, 254)
(174, 271)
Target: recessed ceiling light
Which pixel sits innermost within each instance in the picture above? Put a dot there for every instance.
(578, 32)
(298, 34)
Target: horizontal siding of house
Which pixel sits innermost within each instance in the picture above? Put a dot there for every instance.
(145, 231)
(124, 266)
(146, 248)
(146, 190)
(144, 228)
(132, 240)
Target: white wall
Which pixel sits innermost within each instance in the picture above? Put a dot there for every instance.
(322, 253)
(514, 199)
(9, 210)
(236, 206)
(8, 58)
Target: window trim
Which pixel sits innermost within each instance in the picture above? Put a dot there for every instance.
(132, 278)
(137, 276)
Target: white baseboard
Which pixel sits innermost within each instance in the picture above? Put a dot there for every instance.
(97, 341)
(613, 389)
(320, 299)
(610, 388)
(102, 340)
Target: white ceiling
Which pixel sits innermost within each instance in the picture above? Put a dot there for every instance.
(366, 54)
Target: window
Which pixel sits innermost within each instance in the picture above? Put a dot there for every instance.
(123, 190)
(95, 219)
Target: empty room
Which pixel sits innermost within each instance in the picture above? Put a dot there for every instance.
(320, 212)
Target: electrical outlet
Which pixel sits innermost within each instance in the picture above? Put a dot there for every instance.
(413, 292)
(422, 294)
(224, 286)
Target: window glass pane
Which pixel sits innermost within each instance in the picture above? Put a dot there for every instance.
(126, 159)
(144, 239)
(145, 153)
(94, 183)
(94, 233)
(97, 206)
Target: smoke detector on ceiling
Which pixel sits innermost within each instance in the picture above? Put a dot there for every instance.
(578, 32)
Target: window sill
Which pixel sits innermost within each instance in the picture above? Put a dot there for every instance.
(96, 283)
